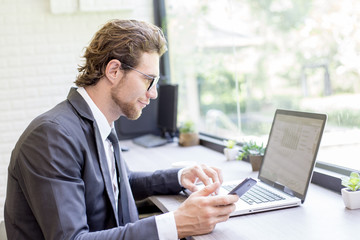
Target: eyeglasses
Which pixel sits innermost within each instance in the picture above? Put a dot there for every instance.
(154, 80)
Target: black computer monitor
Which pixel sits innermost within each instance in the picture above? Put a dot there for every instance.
(158, 118)
(146, 123)
(167, 110)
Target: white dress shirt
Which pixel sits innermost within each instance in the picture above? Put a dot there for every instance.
(165, 223)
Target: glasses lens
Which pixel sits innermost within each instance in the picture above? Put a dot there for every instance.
(153, 83)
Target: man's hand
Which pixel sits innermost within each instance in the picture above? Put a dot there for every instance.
(199, 213)
(202, 172)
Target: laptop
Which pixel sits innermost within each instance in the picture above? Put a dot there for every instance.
(287, 166)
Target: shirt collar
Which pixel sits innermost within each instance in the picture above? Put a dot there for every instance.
(100, 118)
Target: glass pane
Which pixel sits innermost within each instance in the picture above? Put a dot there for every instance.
(237, 61)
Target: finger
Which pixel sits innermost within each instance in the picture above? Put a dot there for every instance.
(221, 179)
(190, 185)
(224, 200)
(223, 218)
(211, 172)
(199, 172)
(219, 172)
(215, 174)
(225, 210)
(207, 190)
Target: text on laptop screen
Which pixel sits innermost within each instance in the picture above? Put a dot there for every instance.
(291, 150)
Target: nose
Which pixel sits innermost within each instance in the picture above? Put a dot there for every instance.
(153, 93)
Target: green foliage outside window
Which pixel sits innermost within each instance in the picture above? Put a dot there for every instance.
(245, 58)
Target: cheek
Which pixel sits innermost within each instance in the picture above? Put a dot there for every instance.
(130, 89)
(127, 94)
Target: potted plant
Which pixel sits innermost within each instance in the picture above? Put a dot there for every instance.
(351, 192)
(254, 152)
(188, 135)
(231, 151)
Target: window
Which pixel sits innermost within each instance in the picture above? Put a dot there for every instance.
(236, 61)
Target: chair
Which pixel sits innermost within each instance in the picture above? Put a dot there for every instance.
(2, 231)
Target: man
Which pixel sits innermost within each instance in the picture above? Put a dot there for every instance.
(67, 179)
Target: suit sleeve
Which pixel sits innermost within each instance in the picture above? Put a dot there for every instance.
(145, 184)
(49, 173)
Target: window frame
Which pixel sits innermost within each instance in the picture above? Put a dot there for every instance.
(324, 174)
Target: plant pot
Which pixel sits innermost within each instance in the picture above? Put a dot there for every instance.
(256, 161)
(188, 139)
(231, 153)
(351, 199)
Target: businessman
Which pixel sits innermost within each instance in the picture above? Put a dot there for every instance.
(67, 178)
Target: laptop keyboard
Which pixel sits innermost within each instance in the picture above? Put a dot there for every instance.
(256, 195)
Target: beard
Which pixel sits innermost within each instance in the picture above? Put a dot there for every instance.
(127, 108)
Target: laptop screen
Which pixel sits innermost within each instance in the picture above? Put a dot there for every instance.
(291, 151)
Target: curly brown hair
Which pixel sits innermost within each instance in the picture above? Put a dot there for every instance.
(125, 40)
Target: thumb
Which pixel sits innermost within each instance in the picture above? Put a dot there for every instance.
(209, 189)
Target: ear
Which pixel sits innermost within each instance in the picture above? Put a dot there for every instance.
(112, 71)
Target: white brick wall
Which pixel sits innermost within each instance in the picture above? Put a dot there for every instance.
(39, 56)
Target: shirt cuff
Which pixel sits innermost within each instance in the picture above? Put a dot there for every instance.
(166, 226)
(179, 176)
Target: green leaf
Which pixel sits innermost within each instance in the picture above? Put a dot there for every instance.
(251, 148)
(352, 182)
(230, 143)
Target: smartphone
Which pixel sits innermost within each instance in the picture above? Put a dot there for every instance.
(243, 187)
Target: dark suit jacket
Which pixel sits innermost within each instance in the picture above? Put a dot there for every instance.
(59, 185)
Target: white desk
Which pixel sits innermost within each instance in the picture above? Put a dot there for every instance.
(322, 216)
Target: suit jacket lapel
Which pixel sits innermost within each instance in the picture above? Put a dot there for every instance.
(134, 216)
(105, 170)
(84, 111)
